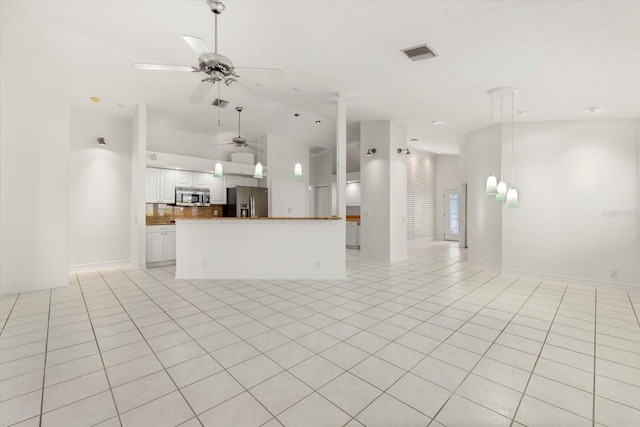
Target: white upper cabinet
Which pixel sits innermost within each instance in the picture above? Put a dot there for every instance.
(353, 194)
(168, 185)
(160, 186)
(184, 179)
(234, 181)
(201, 180)
(217, 187)
(153, 185)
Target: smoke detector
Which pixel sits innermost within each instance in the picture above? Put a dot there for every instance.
(418, 53)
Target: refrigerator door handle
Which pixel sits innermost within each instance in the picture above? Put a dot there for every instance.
(253, 206)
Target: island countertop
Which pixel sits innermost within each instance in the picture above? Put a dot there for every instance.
(271, 218)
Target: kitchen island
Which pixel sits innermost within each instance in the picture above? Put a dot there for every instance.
(260, 248)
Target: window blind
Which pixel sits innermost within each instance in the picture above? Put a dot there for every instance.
(421, 195)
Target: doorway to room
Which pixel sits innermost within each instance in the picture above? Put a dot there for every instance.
(452, 215)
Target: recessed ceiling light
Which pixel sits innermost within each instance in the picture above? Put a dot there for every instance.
(95, 99)
(593, 109)
(437, 122)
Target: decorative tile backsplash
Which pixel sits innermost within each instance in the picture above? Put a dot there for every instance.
(160, 213)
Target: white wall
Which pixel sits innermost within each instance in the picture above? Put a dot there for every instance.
(175, 141)
(447, 178)
(570, 176)
(282, 155)
(484, 214)
(100, 189)
(34, 163)
(383, 179)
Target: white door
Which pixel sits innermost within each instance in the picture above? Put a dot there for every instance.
(452, 215)
(323, 201)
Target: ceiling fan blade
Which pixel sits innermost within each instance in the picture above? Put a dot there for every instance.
(198, 45)
(200, 92)
(162, 67)
(220, 145)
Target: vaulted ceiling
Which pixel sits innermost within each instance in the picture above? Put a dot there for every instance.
(562, 56)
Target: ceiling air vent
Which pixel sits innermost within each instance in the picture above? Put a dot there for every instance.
(419, 52)
(221, 103)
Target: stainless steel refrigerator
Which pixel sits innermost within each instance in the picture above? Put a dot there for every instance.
(247, 202)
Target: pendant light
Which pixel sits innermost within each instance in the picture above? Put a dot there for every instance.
(492, 183)
(512, 194)
(218, 170)
(258, 171)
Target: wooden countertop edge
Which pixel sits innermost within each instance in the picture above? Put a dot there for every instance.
(322, 218)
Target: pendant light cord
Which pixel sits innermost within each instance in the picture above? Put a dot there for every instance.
(513, 95)
(501, 134)
(215, 33)
(491, 132)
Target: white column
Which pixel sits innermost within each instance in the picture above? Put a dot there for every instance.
(138, 188)
(383, 179)
(341, 155)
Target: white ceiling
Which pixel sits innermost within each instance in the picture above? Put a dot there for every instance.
(561, 56)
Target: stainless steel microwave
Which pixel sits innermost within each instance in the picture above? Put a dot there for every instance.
(191, 196)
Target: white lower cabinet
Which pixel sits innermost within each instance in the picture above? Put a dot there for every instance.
(353, 234)
(161, 243)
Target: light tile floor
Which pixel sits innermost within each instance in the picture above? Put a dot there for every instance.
(432, 341)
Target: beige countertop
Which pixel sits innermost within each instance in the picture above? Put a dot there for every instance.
(316, 218)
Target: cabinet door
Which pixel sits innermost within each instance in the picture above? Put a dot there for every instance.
(168, 186)
(169, 246)
(153, 185)
(218, 189)
(234, 181)
(184, 179)
(352, 233)
(201, 180)
(155, 247)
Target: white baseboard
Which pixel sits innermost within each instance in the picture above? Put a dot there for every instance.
(580, 281)
(98, 265)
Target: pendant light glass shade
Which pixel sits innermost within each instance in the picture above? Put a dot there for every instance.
(502, 191)
(258, 171)
(512, 198)
(297, 170)
(218, 170)
(492, 186)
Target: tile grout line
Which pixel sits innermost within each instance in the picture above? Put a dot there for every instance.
(316, 329)
(595, 336)
(152, 350)
(515, 413)
(441, 341)
(93, 331)
(4, 325)
(486, 351)
(44, 367)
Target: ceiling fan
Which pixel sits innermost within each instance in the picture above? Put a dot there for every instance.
(237, 141)
(217, 67)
